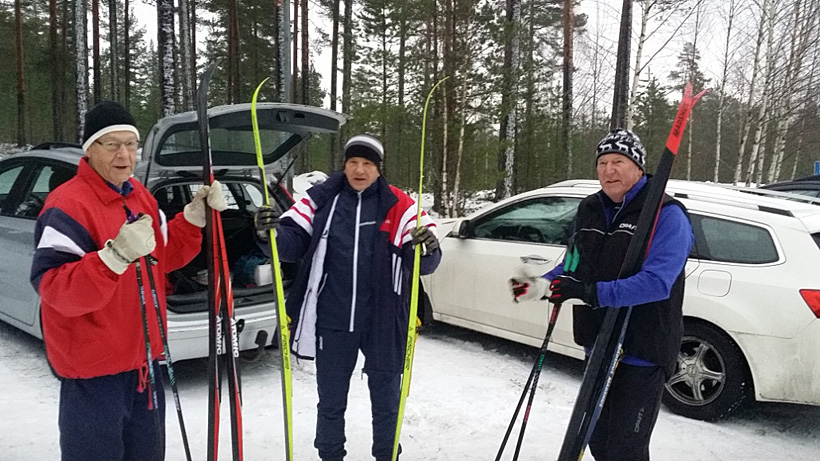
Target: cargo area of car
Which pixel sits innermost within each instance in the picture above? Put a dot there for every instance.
(251, 278)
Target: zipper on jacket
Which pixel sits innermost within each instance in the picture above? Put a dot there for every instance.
(355, 260)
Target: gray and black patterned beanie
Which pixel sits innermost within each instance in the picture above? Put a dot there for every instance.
(621, 141)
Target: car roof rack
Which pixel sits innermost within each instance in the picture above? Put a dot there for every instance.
(706, 192)
(775, 193)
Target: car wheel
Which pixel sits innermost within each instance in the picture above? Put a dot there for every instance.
(711, 379)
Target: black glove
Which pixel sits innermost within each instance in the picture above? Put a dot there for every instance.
(566, 287)
(265, 219)
(424, 236)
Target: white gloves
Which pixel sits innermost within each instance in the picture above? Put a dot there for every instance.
(194, 212)
(134, 241)
(528, 285)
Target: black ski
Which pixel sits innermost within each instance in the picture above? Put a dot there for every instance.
(607, 350)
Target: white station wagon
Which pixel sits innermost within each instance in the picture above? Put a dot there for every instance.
(751, 306)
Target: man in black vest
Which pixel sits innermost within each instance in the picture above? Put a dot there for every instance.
(603, 228)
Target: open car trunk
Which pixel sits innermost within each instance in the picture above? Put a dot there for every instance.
(187, 288)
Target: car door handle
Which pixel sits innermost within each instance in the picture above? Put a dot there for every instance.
(535, 259)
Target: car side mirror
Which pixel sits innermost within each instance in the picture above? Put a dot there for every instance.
(464, 230)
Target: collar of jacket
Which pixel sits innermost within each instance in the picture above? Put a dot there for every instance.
(609, 205)
(100, 187)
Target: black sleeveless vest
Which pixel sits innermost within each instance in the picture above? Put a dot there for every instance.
(654, 331)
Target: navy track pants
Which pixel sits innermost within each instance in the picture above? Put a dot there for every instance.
(336, 355)
(106, 418)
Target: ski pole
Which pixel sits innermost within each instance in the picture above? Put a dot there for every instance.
(130, 217)
(570, 265)
(532, 383)
(169, 363)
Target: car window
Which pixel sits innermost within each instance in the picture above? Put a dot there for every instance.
(7, 179)
(540, 220)
(229, 146)
(808, 193)
(239, 196)
(723, 240)
(47, 178)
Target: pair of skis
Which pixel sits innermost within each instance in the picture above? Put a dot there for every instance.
(223, 335)
(608, 348)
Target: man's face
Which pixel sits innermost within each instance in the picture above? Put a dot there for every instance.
(113, 156)
(617, 174)
(360, 173)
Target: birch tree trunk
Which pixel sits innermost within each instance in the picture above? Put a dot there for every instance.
(56, 72)
(509, 101)
(234, 86)
(281, 53)
(295, 72)
(802, 28)
(21, 93)
(569, 22)
(186, 80)
(95, 43)
(115, 49)
(692, 67)
(165, 50)
(401, 71)
(646, 6)
(192, 22)
(462, 109)
(126, 24)
(758, 150)
(722, 95)
(81, 46)
(448, 106)
(347, 59)
(746, 125)
(334, 78)
(305, 150)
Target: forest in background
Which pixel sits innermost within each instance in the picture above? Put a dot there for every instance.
(504, 118)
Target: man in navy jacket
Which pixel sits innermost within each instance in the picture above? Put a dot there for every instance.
(603, 229)
(355, 235)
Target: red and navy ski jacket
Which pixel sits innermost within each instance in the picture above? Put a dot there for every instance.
(91, 316)
(374, 292)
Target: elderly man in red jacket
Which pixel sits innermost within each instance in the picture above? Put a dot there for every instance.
(89, 295)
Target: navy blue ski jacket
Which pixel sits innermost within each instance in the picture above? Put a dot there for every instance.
(357, 260)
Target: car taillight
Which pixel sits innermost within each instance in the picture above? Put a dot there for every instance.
(812, 298)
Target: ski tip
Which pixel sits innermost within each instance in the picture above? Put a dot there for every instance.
(256, 92)
(697, 97)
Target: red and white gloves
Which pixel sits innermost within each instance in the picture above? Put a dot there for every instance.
(527, 284)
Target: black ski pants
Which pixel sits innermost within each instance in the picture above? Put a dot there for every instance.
(336, 355)
(107, 418)
(629, 414)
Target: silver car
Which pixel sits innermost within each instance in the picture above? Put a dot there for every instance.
(171, 168)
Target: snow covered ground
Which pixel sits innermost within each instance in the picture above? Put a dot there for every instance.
(465, 386)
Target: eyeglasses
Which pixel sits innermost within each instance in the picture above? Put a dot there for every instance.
(114, 146)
